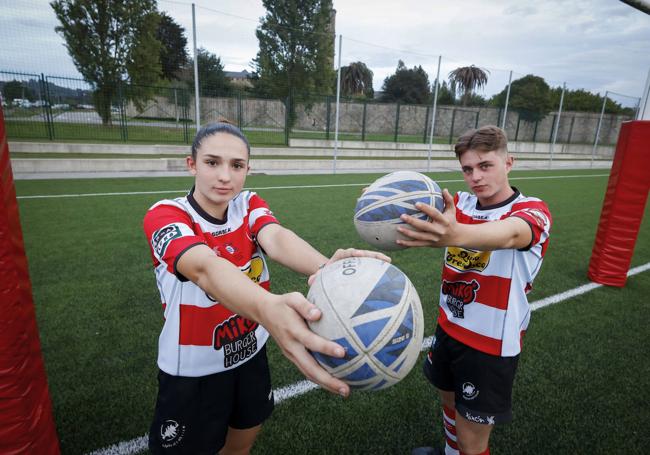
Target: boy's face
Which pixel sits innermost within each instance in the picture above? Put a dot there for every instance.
(486, 175)
(220, 170)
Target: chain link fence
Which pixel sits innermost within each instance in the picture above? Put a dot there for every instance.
(64, 109)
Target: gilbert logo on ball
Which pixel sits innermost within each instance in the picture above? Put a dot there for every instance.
(371, 309)
(378, 210)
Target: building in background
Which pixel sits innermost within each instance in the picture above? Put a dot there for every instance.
(240, 79)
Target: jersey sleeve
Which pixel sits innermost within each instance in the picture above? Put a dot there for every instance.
(259, 214)
(538, 217)
(169, 232)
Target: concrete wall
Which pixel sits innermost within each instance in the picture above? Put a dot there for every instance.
(381, 118)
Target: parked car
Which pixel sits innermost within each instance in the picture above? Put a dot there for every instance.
(21, 102)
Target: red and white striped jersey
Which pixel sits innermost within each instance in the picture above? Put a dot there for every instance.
(483, 300)
(201, 336)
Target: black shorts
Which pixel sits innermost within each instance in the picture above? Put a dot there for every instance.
(193, 414)
(482, 383)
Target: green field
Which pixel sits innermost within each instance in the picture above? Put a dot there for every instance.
(583, 384)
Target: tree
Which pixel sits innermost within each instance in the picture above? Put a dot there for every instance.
(356, 80)
(529, 95)
(212, 78)
(16, 89)
(173, 55)
(407, 85)
(582, 100)
(446, 96)
(467, 79)
(111, 42)
(296, 49)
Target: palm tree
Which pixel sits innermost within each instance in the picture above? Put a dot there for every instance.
(467, 79)
(356, 80)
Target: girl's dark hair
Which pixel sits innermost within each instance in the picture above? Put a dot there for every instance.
(221, 126)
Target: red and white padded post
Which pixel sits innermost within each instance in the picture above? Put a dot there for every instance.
(623, 207)
(25, 408)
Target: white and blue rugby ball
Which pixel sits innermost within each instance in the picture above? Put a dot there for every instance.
(378, 210)
(371, 309)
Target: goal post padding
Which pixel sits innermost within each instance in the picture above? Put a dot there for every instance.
(623, 207)
(25, 407)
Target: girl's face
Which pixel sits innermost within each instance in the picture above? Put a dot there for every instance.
(220, 170)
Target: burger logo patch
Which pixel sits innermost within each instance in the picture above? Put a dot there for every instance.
(459, 294)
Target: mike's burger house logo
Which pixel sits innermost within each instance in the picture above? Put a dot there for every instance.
(236, 337)
(465, 260)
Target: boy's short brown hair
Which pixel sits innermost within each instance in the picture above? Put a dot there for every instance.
(486, 139)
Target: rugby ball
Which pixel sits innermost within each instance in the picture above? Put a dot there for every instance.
(378, 210)
(370, 308)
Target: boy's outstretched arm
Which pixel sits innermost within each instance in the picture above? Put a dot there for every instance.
(444, 230)
(282, 315)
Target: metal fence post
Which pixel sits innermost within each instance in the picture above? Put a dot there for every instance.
(573, 120)
(451, 128)
(47, 108)
(600, 122)
(436, 84)
(505, 109)
(518, 122)
(397, 121)
(239, 110)
(286, 119)
(426, 125)
(328, 115)
(363, 121)
(197, 105)
(550, 136)
(186, 118)
(556, 125)
(338, 107)
(122, 110)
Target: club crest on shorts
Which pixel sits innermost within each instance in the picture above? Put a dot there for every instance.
(171, 433)
(469, 391)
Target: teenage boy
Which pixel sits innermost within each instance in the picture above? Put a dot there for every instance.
(495, 239)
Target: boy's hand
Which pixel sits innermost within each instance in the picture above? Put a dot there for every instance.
(347, 253)
(442, 229)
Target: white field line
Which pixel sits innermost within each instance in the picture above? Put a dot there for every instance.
(300, 388)
(134, 193)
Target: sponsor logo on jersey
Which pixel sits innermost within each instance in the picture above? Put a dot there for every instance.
(469, 391)
(236, 337)
(171, 433)
(163, 236)
(459, 294)
(254, 269)
(465, 260)
(221, 232)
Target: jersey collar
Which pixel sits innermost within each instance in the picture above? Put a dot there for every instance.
(202, 213)
(514, 196)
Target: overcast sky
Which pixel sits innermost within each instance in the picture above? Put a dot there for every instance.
(597, 45)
